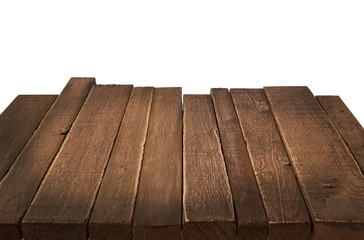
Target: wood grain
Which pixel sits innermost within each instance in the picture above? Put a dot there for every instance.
(332, 183)
(208, 211)
(20, 184)
(250, 214)
(158, 206)
(348, 126)
(64, 200)
(113, 211)
(17, 124)
(286, 210)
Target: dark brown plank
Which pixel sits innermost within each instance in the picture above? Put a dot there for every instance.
(20, 184)
(286, 210)
(330, 179)
(62, 205)
(250, 214)
(208, 211)
(17, 124)
(113, 211)
(158, 205)
(347, 125)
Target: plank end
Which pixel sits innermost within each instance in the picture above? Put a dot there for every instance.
(86, 79)
(327, 96)
(217, 90)
(10, 231)
(157, 232)
(49, 231)
(81, 81)
(285, 87)
(109, 231)
(258, 230)
(337, 230)
(298, 230)
(209, 230)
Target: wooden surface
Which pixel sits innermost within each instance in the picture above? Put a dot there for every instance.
(64, 200)
(284, 204)
(349, 128)
(208, 211)
(158, 206)
(18, 122)
(250, 214)
(112, 215)
(116, 162)
(331, 181)
(21, 182)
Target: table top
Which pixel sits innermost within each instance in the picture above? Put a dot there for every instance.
(124, 162)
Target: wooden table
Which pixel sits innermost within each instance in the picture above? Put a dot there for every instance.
(117, 162)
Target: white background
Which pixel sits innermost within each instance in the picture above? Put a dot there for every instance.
(193, 44)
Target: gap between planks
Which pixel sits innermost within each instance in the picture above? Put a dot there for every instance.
(281, 194)
(346, 124)
(18, 123)
(158, 204)
(94, 129)
(329, 177)
(103, 174)
(19, 186)
(249, 210)
(113, 219)
(207, 201)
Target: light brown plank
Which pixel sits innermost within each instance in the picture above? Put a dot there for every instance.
(250, 214)
(20, 184)
(17, 124)
(286, 210)
(347, 125)
(208, 211)
(331, 181)
(113, 211)
(158, 205)
(62, 205)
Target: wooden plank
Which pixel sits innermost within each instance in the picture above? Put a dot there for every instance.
(62, 205)
(20, 184)
(17, 124)
(113, 211)
(330, 179)
(347, 125)
(250, 214)
(208, 211)
(286, 210)
(158, 206)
